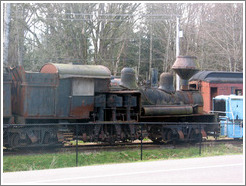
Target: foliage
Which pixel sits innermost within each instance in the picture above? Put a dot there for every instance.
(139, 35)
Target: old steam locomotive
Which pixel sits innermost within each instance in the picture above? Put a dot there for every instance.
(44, 108)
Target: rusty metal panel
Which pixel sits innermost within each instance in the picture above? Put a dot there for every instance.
(63, 98)
(39, 79)
(71, 106)
(36, 94)
(7, 109)
(81, 106)
(39, 101)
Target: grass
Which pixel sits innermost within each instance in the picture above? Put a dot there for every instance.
(68, 159)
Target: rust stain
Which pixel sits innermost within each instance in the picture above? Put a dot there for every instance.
(181, 135)
(204, 134)
(82, 111)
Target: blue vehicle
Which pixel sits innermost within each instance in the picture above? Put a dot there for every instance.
(230, 110)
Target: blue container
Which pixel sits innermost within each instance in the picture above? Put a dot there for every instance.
(230, 109)
(231, 130)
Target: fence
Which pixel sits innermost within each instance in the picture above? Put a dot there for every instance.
(43, 129)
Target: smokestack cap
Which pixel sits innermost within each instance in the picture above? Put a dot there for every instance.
(185, 67)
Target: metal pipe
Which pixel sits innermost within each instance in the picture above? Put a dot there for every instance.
(167, 110)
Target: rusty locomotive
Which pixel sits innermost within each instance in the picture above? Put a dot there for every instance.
(43, 108)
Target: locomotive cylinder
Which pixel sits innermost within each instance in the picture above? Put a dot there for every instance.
(167, 110)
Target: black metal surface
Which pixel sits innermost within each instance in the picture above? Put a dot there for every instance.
(166, 83)
(218, 77)
(167, 110)
(157, 97)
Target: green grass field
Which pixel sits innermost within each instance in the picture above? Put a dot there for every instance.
(68, 159)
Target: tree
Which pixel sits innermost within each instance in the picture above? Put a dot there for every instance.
(124, 34)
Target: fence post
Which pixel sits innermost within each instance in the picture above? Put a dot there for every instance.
(77, 145)
(200, 138)
(141, 141)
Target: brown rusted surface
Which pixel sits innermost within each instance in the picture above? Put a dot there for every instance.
(49, 68)
(84, 137)
(33, 93)
(204, 134)
(70, 70)
(181, 135)
(82, 111)
(185, 67)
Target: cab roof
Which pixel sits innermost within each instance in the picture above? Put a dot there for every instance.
(218, 77)
(70, 70)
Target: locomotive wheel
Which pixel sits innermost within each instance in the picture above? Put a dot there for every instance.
(155, 135)
(48, 139)
(15, 140)
(195, 137)
(172, 136)
(164, 135)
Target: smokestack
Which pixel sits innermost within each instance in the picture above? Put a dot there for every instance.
(185, 67)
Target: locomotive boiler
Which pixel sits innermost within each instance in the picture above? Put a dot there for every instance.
(46, 106)
(180, 112)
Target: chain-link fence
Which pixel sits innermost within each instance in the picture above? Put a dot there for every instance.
(59, 135)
